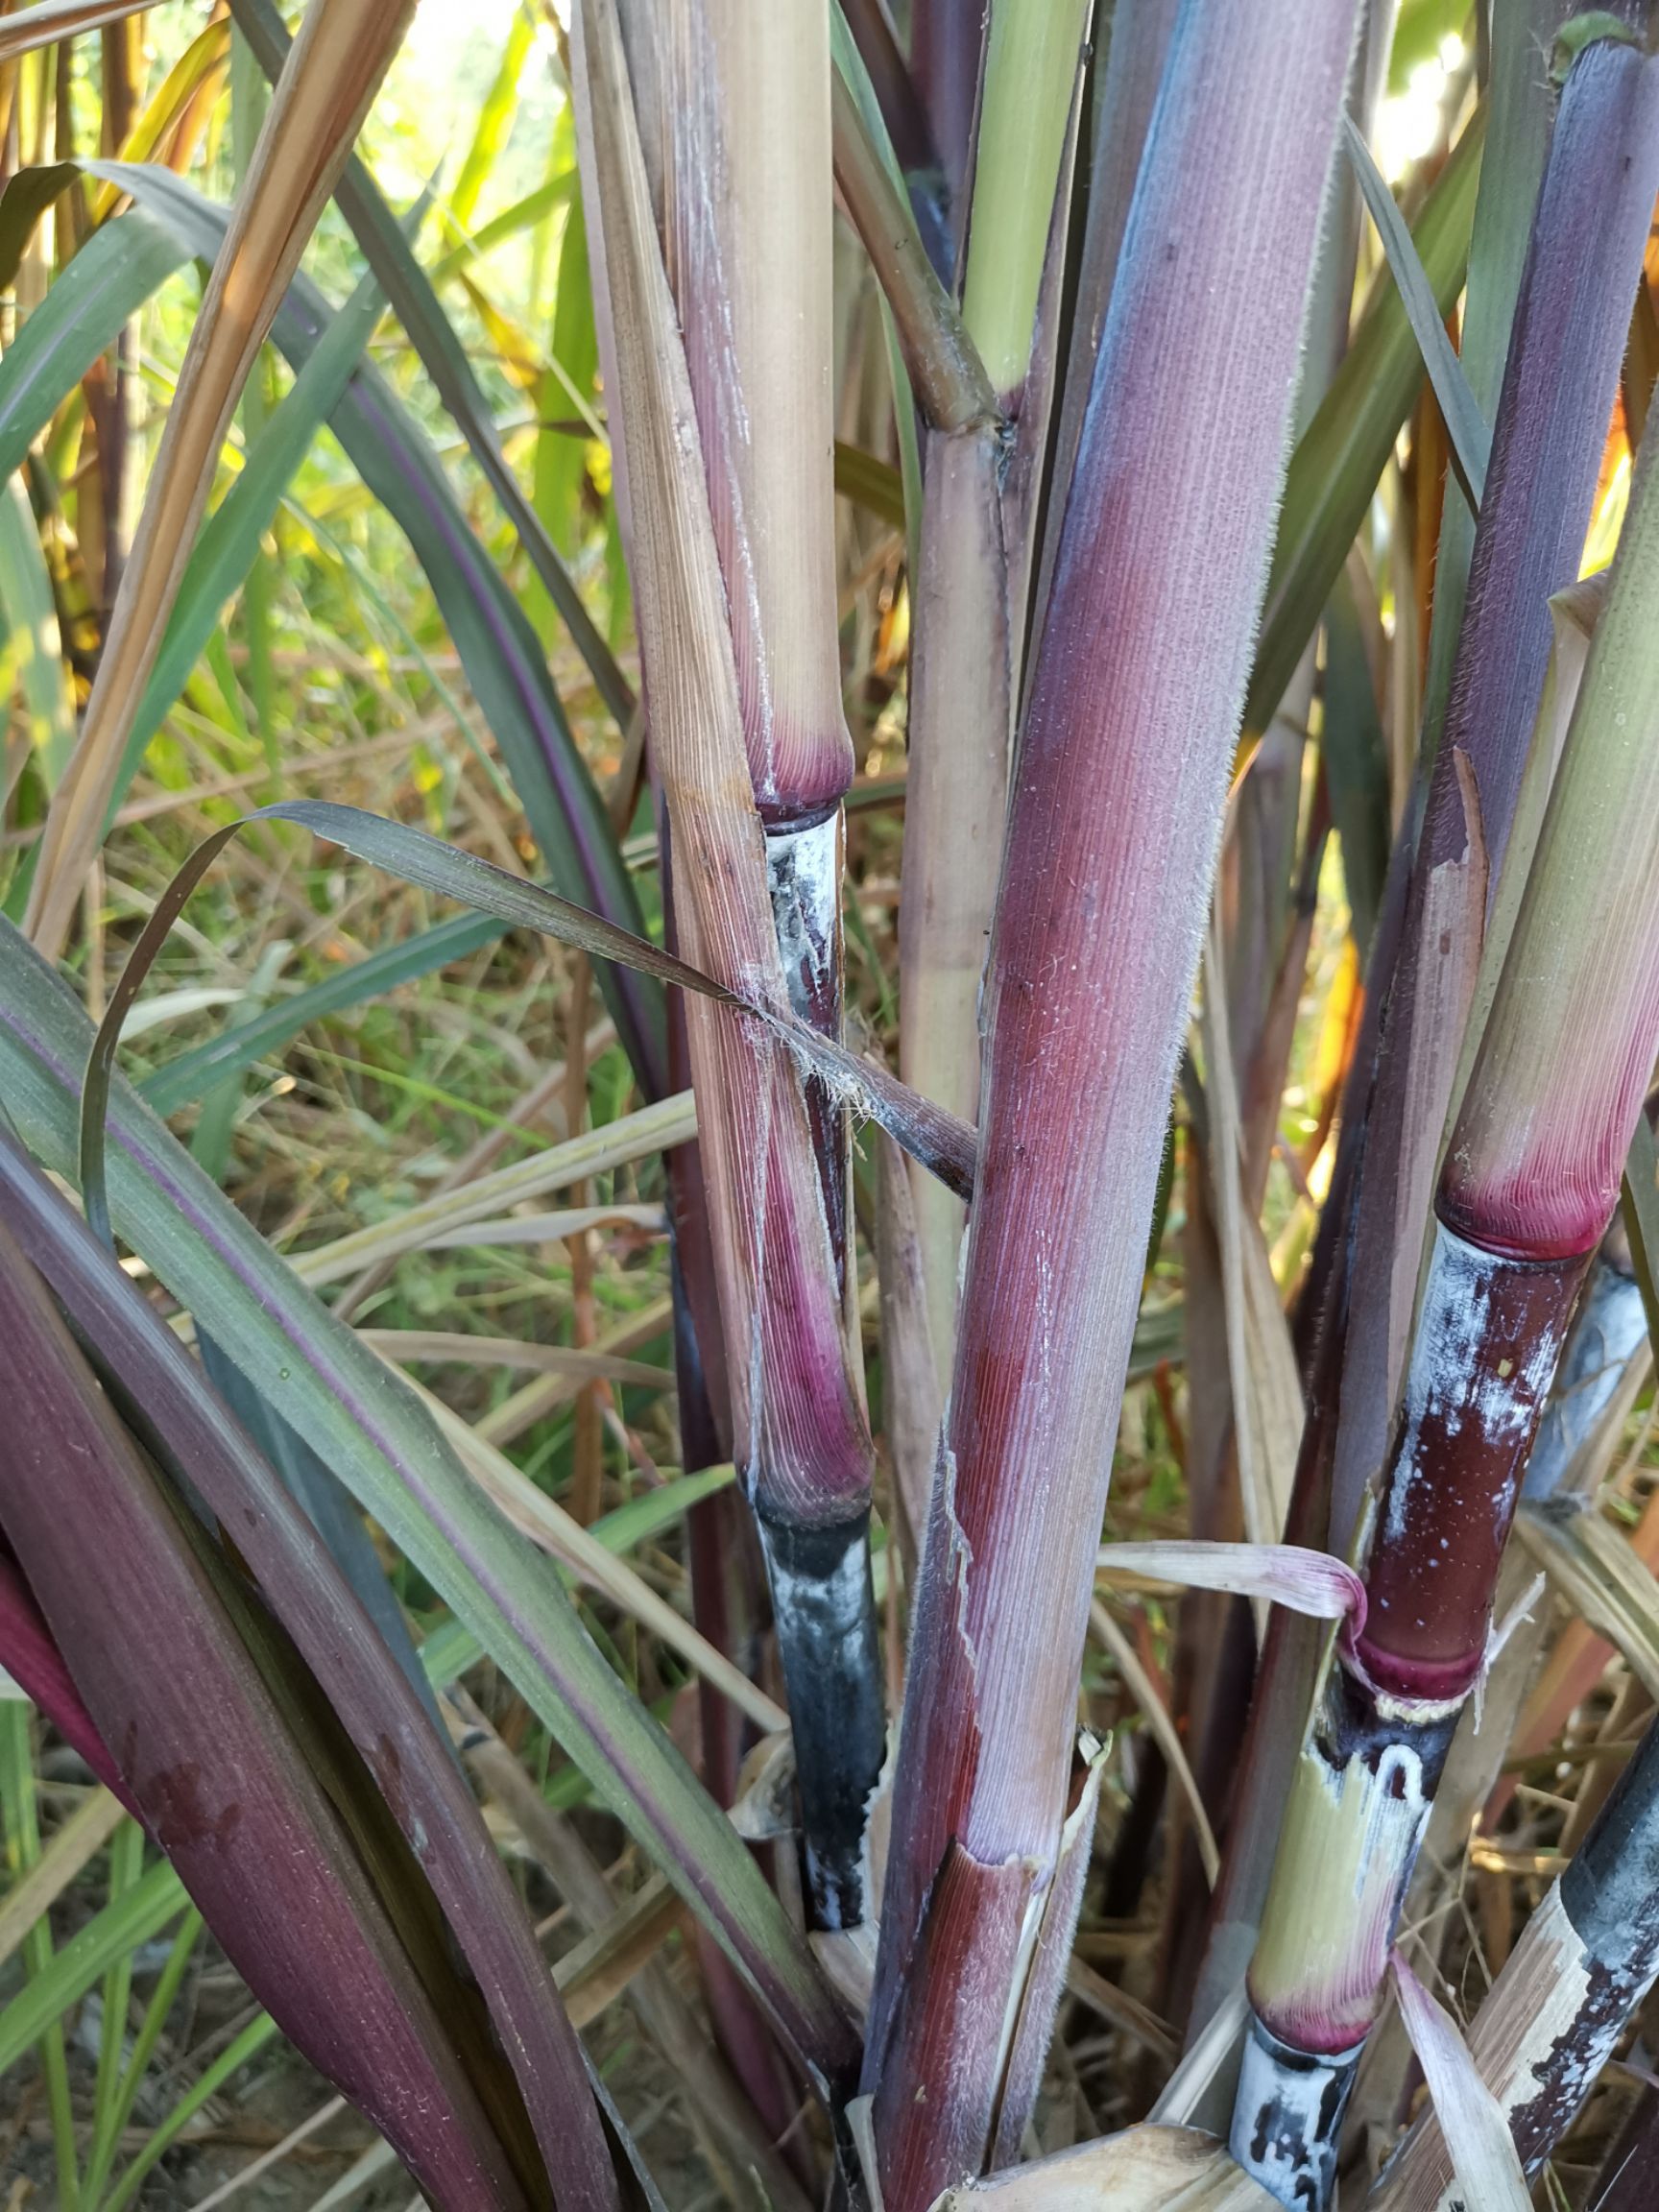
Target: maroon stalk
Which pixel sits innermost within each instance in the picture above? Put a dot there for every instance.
(1116, 812)
(154, 1627)
(1529, 1186)
(1557, 397)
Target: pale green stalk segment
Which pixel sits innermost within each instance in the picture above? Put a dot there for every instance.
(750, 230)
(1539, 1149)
(1573, 614)
(1031, 64)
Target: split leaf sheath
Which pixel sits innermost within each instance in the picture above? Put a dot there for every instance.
(1584, 1961)
(800, 1431)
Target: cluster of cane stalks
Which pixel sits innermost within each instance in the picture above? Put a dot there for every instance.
(1138, 427)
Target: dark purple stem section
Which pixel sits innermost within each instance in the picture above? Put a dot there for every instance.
(1489, 1335)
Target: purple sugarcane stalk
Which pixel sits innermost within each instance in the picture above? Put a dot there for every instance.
(1557, 397)
(1115, 815)
(1530, 1183)
(748, 251)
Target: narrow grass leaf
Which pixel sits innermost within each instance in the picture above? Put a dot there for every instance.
(1339, 458)
(229, 542)
(1596, 1570)
(499, 651)
(103, 286)
(118, 1929)
(193, 1073)
(1470, 435)
(33, 646)
(72, 1849)
(342, 53)
(444, 357)
(936, 1138)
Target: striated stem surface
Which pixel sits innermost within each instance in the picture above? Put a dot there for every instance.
(1115, 815)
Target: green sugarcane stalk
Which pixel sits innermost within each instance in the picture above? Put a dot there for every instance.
(977, 521)
(1528, 1186)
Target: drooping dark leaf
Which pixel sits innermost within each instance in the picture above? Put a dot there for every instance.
(374, 1433)
(171, 1406)
(153, 1628)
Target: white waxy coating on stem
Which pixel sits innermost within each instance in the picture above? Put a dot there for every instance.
(1447, 1381)
(1286, 2116)
(803, 873)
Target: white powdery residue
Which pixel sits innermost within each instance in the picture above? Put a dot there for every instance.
(1456, 1300)
(836, 1605)
(803, 870)
(1285, 2116)
(960, 1555)
(759, 1213)
(1505, 1403)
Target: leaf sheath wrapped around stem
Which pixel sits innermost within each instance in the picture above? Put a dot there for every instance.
(800, 1434)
